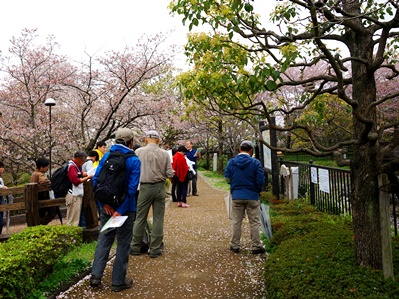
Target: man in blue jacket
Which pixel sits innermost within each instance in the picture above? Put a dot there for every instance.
(124, 144)
(245, 176)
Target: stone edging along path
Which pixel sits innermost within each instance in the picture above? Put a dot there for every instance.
(196, 262)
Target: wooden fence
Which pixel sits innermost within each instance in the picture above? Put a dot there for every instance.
(26, 198)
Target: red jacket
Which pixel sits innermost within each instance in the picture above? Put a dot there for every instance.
(180, 166)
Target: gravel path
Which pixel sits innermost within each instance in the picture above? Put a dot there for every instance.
(196, 262)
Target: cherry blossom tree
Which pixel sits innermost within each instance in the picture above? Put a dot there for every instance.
(132, 88)
(31, 74)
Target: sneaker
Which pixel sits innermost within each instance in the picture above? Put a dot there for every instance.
(235, 250)
(155, 255)
(95, 281)
(184, 205)
(259, 250)
(128, 284)
(195, 194)
(179, 204)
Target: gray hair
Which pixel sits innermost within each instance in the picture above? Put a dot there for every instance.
(80, 154)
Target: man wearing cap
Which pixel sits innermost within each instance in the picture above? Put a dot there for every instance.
(155, 168)
(124, 144)
(245, 176)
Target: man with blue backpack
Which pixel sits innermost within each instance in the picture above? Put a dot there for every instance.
(115, 185)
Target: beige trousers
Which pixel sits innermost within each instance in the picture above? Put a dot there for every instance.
(74, 206)
(252, 209)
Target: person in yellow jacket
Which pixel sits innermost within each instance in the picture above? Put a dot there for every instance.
(101, 149)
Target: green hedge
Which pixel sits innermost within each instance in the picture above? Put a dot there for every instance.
(312, 256)
(27, 257)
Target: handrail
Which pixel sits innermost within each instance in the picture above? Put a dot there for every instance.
(28, 196)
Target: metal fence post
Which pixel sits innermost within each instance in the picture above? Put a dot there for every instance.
(311, 185)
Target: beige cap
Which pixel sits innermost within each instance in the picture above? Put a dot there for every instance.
(124, 134)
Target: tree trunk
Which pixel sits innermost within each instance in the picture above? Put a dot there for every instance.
(365, 209)
(220, 147)
(366, 164)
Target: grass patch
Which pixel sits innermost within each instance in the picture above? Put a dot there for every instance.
(215, 179)
(66, 270)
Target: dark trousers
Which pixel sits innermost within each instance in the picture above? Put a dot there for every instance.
(1, 216)
(174, 188)
(105, 241)
(1, 222)
(182, 191)
(193, 187)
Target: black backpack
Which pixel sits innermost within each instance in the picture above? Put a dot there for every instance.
(111, 183)
(60, 182)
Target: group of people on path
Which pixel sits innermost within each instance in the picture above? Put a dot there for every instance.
(146, 172)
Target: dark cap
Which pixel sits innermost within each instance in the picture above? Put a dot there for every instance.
(247, 143)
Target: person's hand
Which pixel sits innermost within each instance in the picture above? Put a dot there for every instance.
(109, 210)
(115, 214)
(4, 187)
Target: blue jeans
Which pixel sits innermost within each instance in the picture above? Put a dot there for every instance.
(105, 241)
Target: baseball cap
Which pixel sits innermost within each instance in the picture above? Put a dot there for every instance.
(124, 134)
(152, 134)
(247, 143)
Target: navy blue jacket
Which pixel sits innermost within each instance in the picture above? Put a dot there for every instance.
(246, 177)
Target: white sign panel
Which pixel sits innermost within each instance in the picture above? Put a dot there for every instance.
(267, 153)
(313, 175)
(324, 180)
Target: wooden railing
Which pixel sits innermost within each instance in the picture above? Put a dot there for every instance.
(26, 198)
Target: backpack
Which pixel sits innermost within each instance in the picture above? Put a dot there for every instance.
(111, 183)
(60, 182)
(145, 244)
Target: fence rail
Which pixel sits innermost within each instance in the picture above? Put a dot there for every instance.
(331, 195)
(27, 198)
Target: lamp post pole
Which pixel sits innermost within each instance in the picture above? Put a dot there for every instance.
(50, 103)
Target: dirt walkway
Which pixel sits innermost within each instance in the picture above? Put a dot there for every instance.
(196, 262)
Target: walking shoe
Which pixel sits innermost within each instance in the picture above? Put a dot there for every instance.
(128, 284)
(155, 255)
(95, 281)
(184, 205)
(195, 194)
(179, 204)
(134, 252)
(235, 250)
(259, 250)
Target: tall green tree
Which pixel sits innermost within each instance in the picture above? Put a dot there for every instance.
(241, 57)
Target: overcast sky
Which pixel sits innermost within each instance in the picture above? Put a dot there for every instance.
(91, 25)
(95, 26)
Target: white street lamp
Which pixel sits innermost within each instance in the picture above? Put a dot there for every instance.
(50, 102)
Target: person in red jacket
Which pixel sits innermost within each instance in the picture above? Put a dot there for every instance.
(180, 167)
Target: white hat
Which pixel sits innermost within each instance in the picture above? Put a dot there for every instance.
(152, 134)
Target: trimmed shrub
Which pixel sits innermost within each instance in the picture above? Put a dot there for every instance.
(27, 257)
(313, 257)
